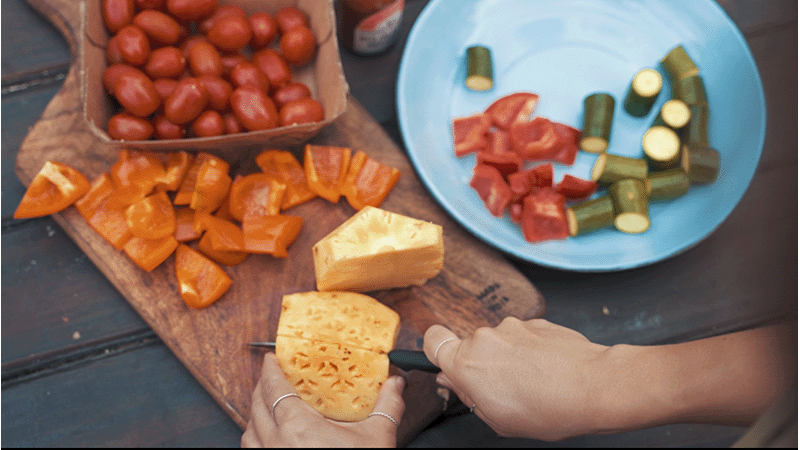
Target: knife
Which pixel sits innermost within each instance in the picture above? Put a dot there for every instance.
(404, 359)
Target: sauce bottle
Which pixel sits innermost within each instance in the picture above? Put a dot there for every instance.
(369, 27)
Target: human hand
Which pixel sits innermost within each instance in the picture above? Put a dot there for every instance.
(530, 379)
(293, 423)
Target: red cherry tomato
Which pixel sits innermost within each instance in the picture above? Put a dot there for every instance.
(113, 55)
(112, 73)
(188, 10)
(165, 86)
(298, 46)
(253, 108)
(290, 17)
(204, 59)
(133, 45)
(164, 129)
(160, 27)
(165, 62)
(230, 33)
(247, 74)
(274, 66)
(290, 91)
(136, 93)
(189, 42)
(219, 91)
(187, 101)
(117, 14)
(150, 4)
(232, 125)
(226, 10)
(124, 126)
(209, 123)
(265, 29)
(231, 60)
(304, 110)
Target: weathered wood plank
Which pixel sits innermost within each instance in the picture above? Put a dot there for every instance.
(29, 42)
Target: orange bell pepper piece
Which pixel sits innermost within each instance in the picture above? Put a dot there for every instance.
(152, 217)
(225, 235)
(325, 168)
(211, 187)
(150, 253)
(200, 280)
(368, 182)
(97, 207)
(176, 166)
(184, 225)
(228, 258)
(270, 234)
(186, 189)
(258, 191)
(283, 166)
(55, 187)
(135, 174)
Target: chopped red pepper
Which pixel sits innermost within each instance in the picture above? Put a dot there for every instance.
(543, 216)
(512, 108)
(568, 143)
(54, 188)
(150, 253)
(492, 189)
(326, 168)
(201, 281)
(574, 188)
(498, 142)
(469, 133)
(270, 234)
(100, 211)
(368, 182)
(152, 217)
(506, 163)
(283, 166)
(535, 140)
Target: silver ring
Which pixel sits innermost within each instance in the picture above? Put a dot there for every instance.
(281, 398)
(436, 353)
(472, 408)
(385, 415)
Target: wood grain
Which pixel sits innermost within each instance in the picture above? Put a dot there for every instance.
(477, 287)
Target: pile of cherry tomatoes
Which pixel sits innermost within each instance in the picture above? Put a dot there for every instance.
(196, 68)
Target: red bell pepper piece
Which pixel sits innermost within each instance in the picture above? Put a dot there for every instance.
(543, 216)
(534, 140)
(512, 108)
(469, 133)
(498, 142)
(492, 188)
(574, 188)
(506, 163)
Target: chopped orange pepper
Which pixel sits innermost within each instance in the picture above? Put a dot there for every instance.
(224, 211)
(184, 225)
(176, 166)
(325, 168)
(152, 217)
(211, 187)
(186, 189)
(52, 190)
(227, 258)
(225, 235)
(97, 208)
(258, 191)
(135, 174)
(150, 253)
(283, 166)
(270, 234)
(201, 281)
(368, 182)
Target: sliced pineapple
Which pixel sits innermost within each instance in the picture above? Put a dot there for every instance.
(377, 249)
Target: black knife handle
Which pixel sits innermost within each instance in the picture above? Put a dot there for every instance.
(412, 360)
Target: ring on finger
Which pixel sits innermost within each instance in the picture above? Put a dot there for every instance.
(436, 352)
(472, 408)
(292, 394)
(382, 414)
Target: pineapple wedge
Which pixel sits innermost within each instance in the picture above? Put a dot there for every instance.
(377, 249)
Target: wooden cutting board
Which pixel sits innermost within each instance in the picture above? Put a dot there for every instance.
(477, 287)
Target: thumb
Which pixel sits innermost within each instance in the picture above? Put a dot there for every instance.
(389, 401)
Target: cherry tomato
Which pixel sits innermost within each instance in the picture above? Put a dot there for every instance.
(232, 125)
(133, 45)
(204, 59)
(189, 42)
(160, 27)
(124, 126)
(164, 129)
(117, 14)
(230, 33)
(247, 74)
(113, 55)
(191, 9)
(112, 73)
(290, 17)
(265, 29)
(253, 108)
(226, 10)
(274, 67)
(219, 91)
(304, 110)
(209, 123)
(230, 60)
(298, 45)
(291, 91)
(165, 86)
(165, 62)
(187, 101)
(136, 93)
(150, 4)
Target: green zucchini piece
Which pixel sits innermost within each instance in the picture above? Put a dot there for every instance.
(590, 215)
(662, 147)
(701, 163)
(609, 168)
(479, 68)
(674, 113)
(598, 113)
(690, 89)
(643, 92)
(678, 64)
(667, 184)
(696, 132)
(630, 205)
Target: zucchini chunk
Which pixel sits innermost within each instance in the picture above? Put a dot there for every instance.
(701, 163)
(667, 184)
(690, 89)
(643, 92)
(598, 113)
(590, 215)
(609, 168)
(696, 132)
(674, 113)
(479, 68)
(662, 147)
(678, 64)
(630, 206)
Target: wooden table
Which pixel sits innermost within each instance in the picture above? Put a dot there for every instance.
(81, 368)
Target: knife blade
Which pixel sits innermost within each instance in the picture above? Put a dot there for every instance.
(404, 359)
